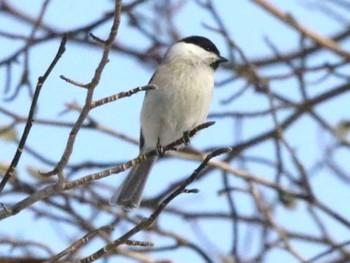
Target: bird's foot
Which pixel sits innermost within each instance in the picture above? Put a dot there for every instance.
(159, 149)
(186, 137)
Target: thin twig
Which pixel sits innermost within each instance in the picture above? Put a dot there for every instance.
(79, 243)
(289, 20)
(30, 119)
(122, 94)
(90, 91)
(146, 223)
(59, 188)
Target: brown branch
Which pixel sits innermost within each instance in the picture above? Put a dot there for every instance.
(58, 188)
(90, 91)
(123, 167)
(328, 251)
(122, 94)
(73, 82)
(146, 223)
(300, 110)
(290, 21)
(79, 243)
(30, 119)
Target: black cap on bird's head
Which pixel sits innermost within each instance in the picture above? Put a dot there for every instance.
(207, 45)
(202, 42)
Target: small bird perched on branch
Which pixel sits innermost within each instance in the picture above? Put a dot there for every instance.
(185, 81)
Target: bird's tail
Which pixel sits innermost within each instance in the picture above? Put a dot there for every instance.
(129, 193)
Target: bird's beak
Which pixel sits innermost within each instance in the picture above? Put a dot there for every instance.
(221, 60)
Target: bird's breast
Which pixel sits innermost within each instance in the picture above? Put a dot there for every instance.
(180, 103)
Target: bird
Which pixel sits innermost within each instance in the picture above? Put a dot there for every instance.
(185, 83)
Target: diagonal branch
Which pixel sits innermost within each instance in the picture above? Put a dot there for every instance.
(90, 91)
(146, 223)
(289, 20)
(30, 118)
(56, 189)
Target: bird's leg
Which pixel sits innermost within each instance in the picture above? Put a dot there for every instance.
(186, 137)
(159, 149)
